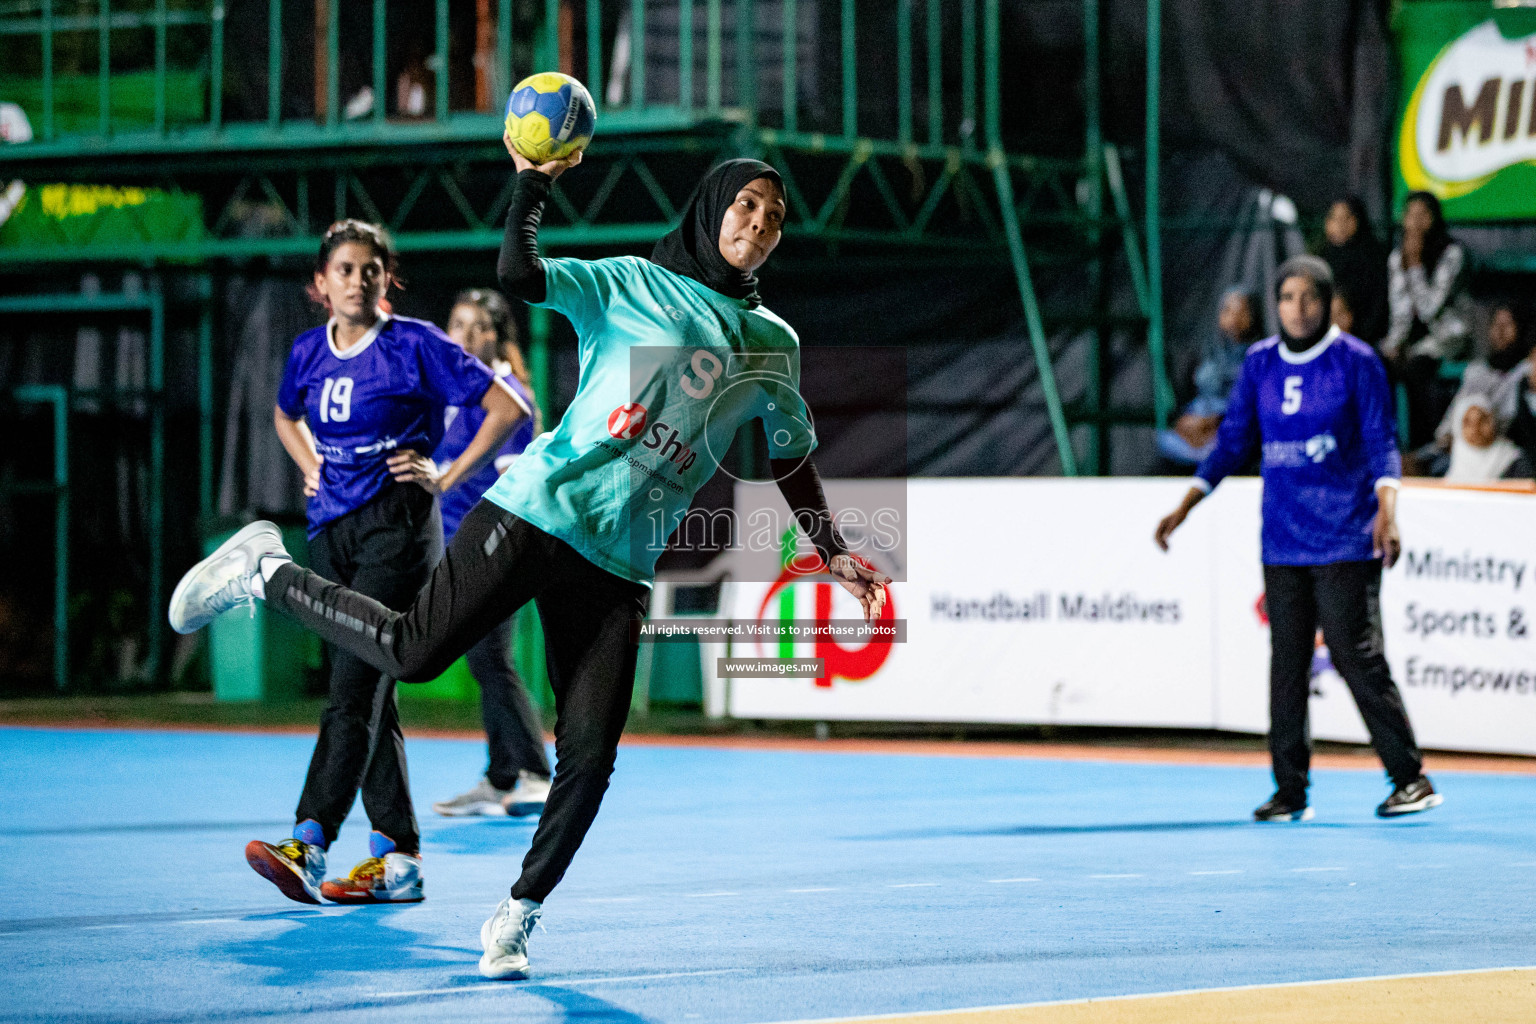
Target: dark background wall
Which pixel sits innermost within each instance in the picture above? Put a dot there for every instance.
(1259, 98)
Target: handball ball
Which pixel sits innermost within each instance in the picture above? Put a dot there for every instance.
(550, 116)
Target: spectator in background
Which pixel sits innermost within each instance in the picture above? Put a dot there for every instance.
(1495, 375)
(1239, 324)
(1478, 453)
(1509, 348)
(516, 782)
(1429, 321)
(1359, 264)
(1522, 422)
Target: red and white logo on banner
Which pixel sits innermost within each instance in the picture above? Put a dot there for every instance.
(627, 421)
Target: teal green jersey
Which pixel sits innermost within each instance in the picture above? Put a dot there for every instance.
(670, 370)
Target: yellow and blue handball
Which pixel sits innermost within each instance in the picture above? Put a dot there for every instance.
(550, 116)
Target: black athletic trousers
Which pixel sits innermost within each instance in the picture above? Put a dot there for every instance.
(1344, 598)
(386, 550)
(514, 732)
(497, 563)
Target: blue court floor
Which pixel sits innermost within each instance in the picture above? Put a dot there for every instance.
(738, 886)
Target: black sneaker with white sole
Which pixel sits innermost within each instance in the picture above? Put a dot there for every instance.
(1411, 798)
(1282, 808)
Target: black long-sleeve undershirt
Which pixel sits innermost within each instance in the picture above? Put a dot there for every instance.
(801, 486)
(517, 265)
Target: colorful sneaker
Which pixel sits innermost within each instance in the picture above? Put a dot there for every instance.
(505, 938)
(1282, 808)
(528, 796)
(484, 799)
(385, 877)
(1418, 795)
(223, 580)
(295, 865)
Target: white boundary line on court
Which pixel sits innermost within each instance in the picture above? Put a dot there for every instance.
(1153, 995)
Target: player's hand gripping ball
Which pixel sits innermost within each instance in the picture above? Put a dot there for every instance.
(550, 116)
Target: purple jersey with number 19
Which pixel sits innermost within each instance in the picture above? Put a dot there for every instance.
(1324, 420)
(386, 392)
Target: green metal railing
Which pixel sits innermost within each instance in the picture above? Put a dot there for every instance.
(58, 488)
(153, 395)
(712, 105)
(947, 123)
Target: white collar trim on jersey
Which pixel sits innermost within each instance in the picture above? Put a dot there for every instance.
(1311, 353)
(355, 350)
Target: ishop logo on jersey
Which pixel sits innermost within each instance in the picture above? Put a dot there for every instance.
(672, 449)
(627, 422)
(1471, 114)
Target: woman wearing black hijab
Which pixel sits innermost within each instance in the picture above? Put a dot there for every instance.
(577, 523)
(1359, 264)
(1315, 401)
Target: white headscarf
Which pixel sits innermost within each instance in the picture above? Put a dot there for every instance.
(1473, 465)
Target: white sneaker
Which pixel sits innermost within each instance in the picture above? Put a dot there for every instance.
(527, 797)
(294, 866)
(484, 799)
(223, 580)
(505, 938)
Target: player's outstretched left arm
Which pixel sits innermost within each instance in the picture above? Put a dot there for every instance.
(801, 486)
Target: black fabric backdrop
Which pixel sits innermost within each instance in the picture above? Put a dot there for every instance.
(1297, 93)
(1278, 96)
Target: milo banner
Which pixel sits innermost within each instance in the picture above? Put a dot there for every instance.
(1467, 123)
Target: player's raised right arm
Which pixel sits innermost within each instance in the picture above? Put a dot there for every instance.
(517, 266)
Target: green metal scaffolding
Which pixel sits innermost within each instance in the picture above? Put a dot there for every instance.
(62, 398)
(424, 177)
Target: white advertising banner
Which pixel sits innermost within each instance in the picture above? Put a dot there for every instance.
(1045, 601)
(1457, 612)
(1024, 601)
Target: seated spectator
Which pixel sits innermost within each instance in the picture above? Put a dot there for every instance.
(1359, 264)
(1193, 434)
(1478, 454)
(1429, 321)
(1495, 375)
(1522, 424)
(1509, 349)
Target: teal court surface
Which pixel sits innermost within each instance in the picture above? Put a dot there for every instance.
(739, 885)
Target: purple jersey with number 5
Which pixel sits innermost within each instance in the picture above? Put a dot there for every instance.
(386, 392)
(1323, 422)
